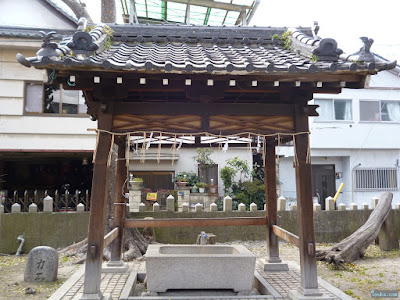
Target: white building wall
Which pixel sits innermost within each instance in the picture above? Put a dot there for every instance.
(186, 163)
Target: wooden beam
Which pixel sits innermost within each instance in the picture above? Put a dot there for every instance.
(286, 235)
(179, 108)
(271, 201)
(119, 200)
(308, 265)
(111, 236)
(196, 222)
(97, 216)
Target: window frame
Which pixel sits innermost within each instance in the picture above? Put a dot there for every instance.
(42, 113)
(380, 111)
(369, 176)
(332, 101)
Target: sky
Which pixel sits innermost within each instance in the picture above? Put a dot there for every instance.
(343, 20)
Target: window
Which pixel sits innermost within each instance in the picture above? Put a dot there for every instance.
(381, 179)
(380, 111)
(334, 109)
(53, 99)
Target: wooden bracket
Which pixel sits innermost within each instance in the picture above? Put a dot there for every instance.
(311, 249)
(93, 249)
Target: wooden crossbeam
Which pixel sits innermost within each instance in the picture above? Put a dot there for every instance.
(109, 237)
(196, 222)
(286, 235)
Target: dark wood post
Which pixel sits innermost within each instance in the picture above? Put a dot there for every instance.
(97, 216)
(308, 265)
(271, 201)
(119, 203)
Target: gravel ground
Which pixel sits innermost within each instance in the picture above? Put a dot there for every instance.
(377, 270)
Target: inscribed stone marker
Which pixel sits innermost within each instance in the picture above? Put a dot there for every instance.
(41, 265)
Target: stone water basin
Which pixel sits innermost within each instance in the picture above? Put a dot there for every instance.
(199, 267)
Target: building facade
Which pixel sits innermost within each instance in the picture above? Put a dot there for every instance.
(353, 141)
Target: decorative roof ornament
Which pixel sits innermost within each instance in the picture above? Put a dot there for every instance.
(364, 54)
(315, 29)
(49, 49)
(314, 47)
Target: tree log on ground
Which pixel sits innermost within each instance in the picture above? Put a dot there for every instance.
(354, 246)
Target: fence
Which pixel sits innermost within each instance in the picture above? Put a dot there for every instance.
(62, 201)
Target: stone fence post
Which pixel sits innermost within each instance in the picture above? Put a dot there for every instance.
(364, 206)
(293, 207)
(281, 203)
(185, 207)
(213, 207)
(15, 208)
(342, 206)
(241, 207)
(80, 207)
(353, 206)
(1, 209)
(317, 207)
(32, 208)
(227, 203)
(253, 207)
(397, 206)
(329, 203)
(170, 203)
(156, 207)
(48, 204)
(198, 207)
(142, 207)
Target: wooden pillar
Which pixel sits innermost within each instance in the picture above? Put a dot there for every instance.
(119, 202)
(271, 201)
(92, 277)
(308, 266)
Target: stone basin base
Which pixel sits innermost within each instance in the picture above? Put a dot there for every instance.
(199, 267)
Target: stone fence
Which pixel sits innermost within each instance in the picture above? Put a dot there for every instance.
(48, 206)
(209, 205)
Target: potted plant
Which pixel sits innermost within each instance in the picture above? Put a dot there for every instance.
(136, 181)
(194, 189)
(181, 180)
(202, 186)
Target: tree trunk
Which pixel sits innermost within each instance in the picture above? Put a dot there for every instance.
(79, 9)
(353, 247)
(108, 14)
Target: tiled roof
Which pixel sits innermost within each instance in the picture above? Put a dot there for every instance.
(204, 49)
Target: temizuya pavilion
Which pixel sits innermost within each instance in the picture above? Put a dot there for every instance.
(196, 80)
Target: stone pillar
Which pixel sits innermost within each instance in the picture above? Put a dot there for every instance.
(48, 204)
(364, 206)
(142, 207)
(341, 206)
(185, 207)
(397, 206)
(374, 202)
(329, 203)
(32, 208)
(281, 203)
(293, 207)
(227, 203)
(183, 195)
(80, 207)
(198, 207)
(170, 203)
(208, 200)
(253, 207)
(213, 207)
(135, 196)
(241, 207)
(156, 207)
(317, 207)
(353, 206)
(15, 208)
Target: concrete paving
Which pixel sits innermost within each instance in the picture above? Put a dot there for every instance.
(116, 284)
